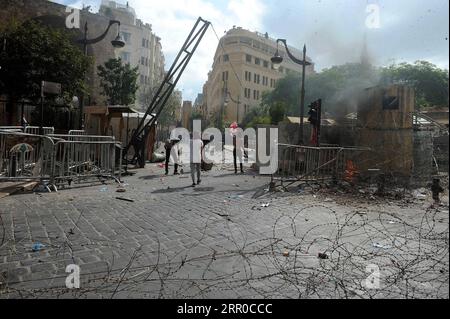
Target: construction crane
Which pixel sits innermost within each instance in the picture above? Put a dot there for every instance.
(165, 90)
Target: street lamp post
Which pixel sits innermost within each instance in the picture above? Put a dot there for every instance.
(238, 102)
(277, 59)
(117, 43)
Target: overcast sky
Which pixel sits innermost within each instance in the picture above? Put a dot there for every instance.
(333, 30)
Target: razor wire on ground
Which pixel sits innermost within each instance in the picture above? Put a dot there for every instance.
(410, 254)
(58, 160)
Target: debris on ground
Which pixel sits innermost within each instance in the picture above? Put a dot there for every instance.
(378, 245)
(323, 256)
(125, 199)
(265, 205)
(37, 247)
(286, 254)
(9, 189)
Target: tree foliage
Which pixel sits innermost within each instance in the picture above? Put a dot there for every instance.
(33, 53)
(340, 86)
(429, 81)
(118, 82)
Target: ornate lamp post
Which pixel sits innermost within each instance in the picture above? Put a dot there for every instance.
(228, 97)
(117, 43)
(277, 59)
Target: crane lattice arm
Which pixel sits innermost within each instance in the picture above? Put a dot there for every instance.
(170, 81)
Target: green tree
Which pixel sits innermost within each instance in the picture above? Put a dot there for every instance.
(277, 112)
(257, 115)
(429, 81)
(34, 53)
(167, 116)
(340, 87)
(118, 82)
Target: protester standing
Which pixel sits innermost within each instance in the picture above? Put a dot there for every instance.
(196, 158)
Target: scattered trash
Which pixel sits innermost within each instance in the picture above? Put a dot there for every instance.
(71, 232)
(125, 199)
(161, 165)
(234, 196)
(323, 256)
(378, 245)
(265, 205)
(235, 185)
(37, 247)
(121, 190)
(328, 200)
(286, 254)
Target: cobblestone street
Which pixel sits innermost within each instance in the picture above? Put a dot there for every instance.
(227, 238)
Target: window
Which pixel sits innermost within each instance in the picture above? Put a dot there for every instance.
(248, 76)
(226, 58)
(225, 76)
(281, 69)
(266, 64)
(248, 58)
(142, 79)
(126, 37)
(247, 93)
(246, 40)
(125, 56)
(256, 95)
(390, 102)
(142, 60)
(257, 79)
(257, 61)
(143, 43)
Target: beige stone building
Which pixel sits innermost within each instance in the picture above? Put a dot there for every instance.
(242, 65)
(143, 49)
(186, 113)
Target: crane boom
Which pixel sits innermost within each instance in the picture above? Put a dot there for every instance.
(170, 82)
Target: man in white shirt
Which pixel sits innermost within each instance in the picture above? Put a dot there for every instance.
(196, 158)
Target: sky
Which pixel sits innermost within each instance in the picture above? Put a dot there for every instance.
(333, 30)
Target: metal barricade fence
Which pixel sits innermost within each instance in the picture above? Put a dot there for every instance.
(25, 156)
(11, 128)
(78, 161)
(303, 163)
(77, 132)
(58, 159)
(36, 130)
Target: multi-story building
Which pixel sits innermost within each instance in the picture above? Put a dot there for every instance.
(143, 48)
(186, 113)
(242, 66)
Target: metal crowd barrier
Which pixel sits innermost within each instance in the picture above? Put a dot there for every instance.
(58, 159)
(77, 132)
(303, 163)
(11, 128)
(25, 156)
(36, 130)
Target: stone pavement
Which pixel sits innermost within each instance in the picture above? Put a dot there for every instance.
(227, 238)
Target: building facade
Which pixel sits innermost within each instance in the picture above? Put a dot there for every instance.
(242, 66)
(143, 49)
(186, 114)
